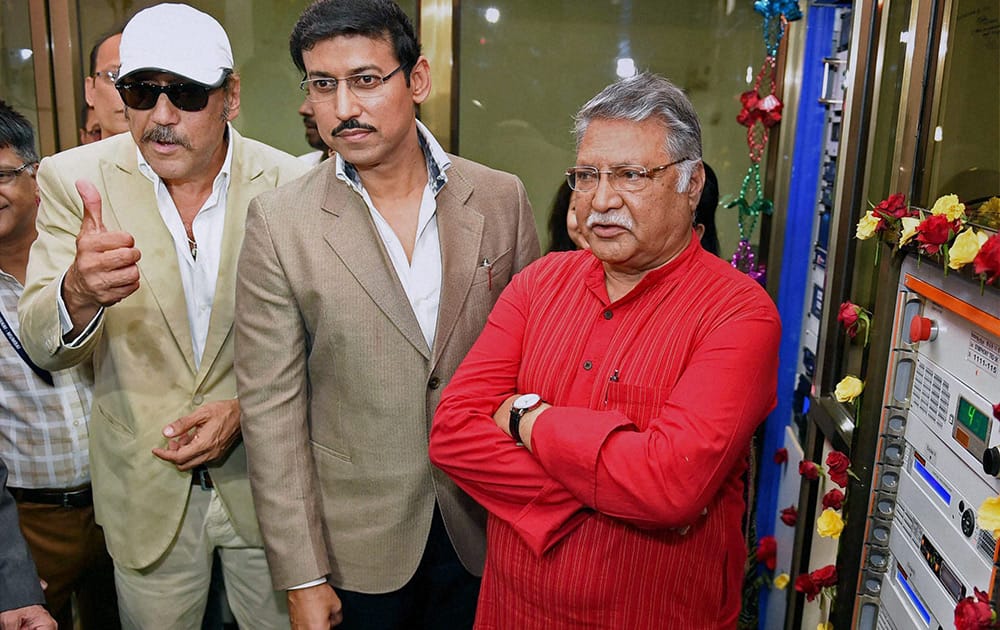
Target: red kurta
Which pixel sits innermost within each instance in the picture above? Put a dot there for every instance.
(655, 398)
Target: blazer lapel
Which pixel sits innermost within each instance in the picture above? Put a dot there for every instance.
(461, 230)
(131, 202)
(247, 180)
(356, 242)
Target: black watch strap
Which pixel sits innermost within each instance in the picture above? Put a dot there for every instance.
(515, 425)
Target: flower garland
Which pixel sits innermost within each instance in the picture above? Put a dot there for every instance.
(759, 113)
(823, 581)
(945, 232)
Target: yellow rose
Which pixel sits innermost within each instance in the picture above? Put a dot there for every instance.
(780, 581)
(849, 388)
(866, 226)
(965, 247)
(829, 524)
(909, 229)
(989, 515)
(950, 206)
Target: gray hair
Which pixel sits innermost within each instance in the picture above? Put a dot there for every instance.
(643, 96)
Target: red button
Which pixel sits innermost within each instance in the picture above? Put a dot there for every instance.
(921, 329)
(996, 411)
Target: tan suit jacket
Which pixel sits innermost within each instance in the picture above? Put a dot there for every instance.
(145, 375)
(337, 384)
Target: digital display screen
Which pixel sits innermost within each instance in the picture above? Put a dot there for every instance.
(973, 419)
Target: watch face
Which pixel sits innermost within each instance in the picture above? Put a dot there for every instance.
(527, 401)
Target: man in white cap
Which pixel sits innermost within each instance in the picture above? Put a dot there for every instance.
(134, 270)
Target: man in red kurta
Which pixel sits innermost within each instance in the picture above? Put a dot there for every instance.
(618, 501)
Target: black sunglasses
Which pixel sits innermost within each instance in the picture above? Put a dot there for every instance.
(190, 97)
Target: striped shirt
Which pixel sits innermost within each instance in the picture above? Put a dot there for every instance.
(655, 399)
(43, 428)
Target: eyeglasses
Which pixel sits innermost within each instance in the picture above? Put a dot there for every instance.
(108, 75)
(190, 97)
(8, 175)
(323, 89)
(624, 178)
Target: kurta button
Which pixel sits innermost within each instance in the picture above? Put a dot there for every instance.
(607, 314)
(587, 365)
(198, 399)
(434, 383)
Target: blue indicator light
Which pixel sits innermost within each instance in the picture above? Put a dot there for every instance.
(932, 482)
(926, 616)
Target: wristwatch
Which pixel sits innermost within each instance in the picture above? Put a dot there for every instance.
(522, 405)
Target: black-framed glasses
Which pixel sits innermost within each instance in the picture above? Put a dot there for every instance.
(190, 97)
(623, 178)
(8, 175)
(111, 76)
(323, 89)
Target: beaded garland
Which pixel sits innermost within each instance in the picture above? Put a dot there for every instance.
(758, 115)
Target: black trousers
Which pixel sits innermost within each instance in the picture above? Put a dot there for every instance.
(440, 596)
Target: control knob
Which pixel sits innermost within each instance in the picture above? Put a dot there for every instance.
(991, 461)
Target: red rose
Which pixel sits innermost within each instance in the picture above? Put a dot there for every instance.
(972, 613)
(809, 470)
(934, 231)
(804, 584)
(836, 467)
(833, 499)
(781, 456)
(767, 551)
(848, 315)
(895, 207)
(987, 261)
(790, 516)
(824, 576)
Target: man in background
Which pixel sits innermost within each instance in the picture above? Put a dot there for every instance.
(44, 418)
(360, 288)
(90, 128)
(313, 137)
(99, 86)
(21, 595)
(604, 416)
(134, 272)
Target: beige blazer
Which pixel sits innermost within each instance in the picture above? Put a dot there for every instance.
(337, 384)
(144, 369)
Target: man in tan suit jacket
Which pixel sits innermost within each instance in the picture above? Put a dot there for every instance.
(159, 330)
(360, 288)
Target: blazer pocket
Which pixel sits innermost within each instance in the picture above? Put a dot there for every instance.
(496, 270)
(112, 422)
(326, 450)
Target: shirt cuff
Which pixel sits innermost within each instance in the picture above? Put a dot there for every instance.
(66, 322)
(309, 584)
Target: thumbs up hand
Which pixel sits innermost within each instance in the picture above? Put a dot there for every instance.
(104, 271)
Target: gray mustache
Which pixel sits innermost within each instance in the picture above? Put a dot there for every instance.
(160, 133)
(621, 219)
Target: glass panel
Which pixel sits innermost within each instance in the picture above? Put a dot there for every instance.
(258, 31)
(526, 67)
(964, 140)
(17, 72)
(895, 44)
(894, 47)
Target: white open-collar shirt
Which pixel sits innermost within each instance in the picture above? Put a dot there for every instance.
(421, 276)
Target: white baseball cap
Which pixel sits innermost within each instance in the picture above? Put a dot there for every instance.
(178, 39)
